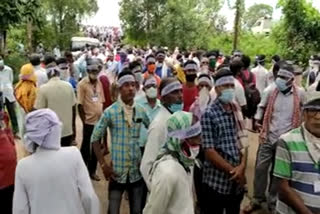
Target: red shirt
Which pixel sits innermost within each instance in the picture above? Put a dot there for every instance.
(189, 96)
(8, 157)
(246, 74)
(106, 91)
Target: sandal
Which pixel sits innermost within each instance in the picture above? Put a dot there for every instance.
(251, 208)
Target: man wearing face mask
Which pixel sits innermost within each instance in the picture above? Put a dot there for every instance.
(190, 90)
(225, 147)
(63, 65)
(278, 112)
(171, 189)
(313, 74)
(151, 68)
(212, 56)
(170, 90)
(90, 99)
(204, 65)
(124, 62)
(162, 70)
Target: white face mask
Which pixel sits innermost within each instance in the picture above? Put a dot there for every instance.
(194, 151)
(152, 92)
(204, 97)
(159, 65)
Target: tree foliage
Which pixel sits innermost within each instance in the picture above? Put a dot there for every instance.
(298, 33)
(255, 12)
(183, 23)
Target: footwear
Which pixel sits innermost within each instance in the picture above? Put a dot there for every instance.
(16, 136)
(95, 177)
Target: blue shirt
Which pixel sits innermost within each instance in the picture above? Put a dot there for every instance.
(161, 75)
(219, 132)
(151, 112)
(125, 150)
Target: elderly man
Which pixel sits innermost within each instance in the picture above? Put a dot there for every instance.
(6, 80)
(297, 163)
(53, 179)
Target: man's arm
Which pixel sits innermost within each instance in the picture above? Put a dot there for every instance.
(291, 198)
(215, 158)
(74, 113)
(81, 113)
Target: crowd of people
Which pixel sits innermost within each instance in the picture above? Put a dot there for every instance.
(175, 125)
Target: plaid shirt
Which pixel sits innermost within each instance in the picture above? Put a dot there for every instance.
(125, 151)
(219, 132)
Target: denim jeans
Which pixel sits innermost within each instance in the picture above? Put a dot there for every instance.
(135, 192)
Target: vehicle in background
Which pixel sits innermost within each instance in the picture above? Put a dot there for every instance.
(262, 26)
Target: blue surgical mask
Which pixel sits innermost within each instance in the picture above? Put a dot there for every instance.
(175, 107)
(227, 95)
(281, 84)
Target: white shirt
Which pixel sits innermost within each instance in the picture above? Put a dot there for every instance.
(157, 136)
(52, 182)
(171, 189)
(41, 74)
(261, 77)
(6, 80)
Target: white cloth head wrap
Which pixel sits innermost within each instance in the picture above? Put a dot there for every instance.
(192, 131)
(126, 78)
(205, 79)
(151, 59)
(191, 66)
(224, 80)
(150, 81)
(176, 85)
(285, 73)
(43, 128)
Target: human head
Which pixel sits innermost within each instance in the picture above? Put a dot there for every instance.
(42, 129)
(170, 90)
(49, 60)
(63, 66)
(285, 76)
(316, 62)
(224, 85)
(160, 55)
(136, 69)
(150, 87)
(204, 61)
(184, 137)
(275, 59)
(246, 61)
(237, 54)
(204, 81)
(311, 112)
(236, 67)
(123, 56)
(35, 59)
(190, 70)
(68, 55)
(127, 85)
(93, 69)
(260, 60)
(212, 56)
(151, 63)
(27, 73)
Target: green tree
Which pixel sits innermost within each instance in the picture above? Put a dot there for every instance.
(10, 14)
(298, 33)
(255, 12)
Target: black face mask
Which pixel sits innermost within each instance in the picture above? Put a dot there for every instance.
(191, 77)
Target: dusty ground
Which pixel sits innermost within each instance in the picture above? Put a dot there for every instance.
(101, 187)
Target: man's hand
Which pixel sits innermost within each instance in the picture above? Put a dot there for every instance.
(257, 126)
(238, 174)
(108, 172)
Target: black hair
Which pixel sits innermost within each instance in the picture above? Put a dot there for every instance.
(260, 59)
(160, 51)
(212, 53)
(286, 66)
(35, 59)
(134, 64)
(204, 75)
(150, 55)
(125, 71)
(276, 58)
(189, 62)
(236, 66)
(61, 60)
(49, 59)
(165, 81)
(222, 73)
(246, 61)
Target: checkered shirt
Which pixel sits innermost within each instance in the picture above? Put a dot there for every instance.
(219, 132)
(125, 150)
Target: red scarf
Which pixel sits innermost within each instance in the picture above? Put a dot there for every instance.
(296, 119)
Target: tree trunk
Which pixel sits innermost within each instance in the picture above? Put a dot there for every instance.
(237, 24)
(29, 35)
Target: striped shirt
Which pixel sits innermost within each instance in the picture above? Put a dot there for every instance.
(125, 150)
(295, 164)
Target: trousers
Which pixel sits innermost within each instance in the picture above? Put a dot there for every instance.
(88, 155)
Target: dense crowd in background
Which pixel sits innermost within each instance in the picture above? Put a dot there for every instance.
(177, 123)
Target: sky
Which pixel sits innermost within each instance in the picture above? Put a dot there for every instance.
(108, 13)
